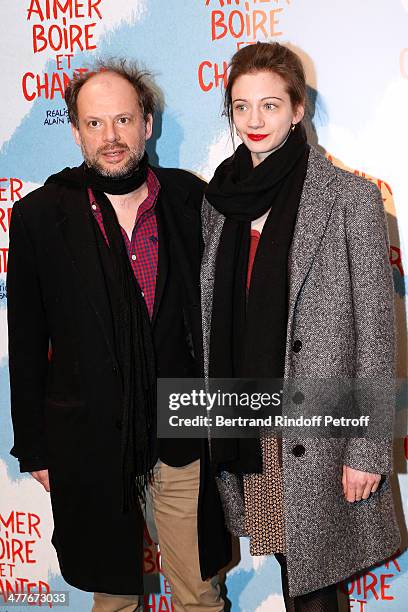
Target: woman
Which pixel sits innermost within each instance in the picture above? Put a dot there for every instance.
(315, 302)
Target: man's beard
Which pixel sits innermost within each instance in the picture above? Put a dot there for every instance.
(132, 164)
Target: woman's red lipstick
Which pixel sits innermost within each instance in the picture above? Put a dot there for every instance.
(257, 137)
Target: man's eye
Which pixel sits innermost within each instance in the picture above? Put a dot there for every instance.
(270, 106)
(123, 120)
(93, 124)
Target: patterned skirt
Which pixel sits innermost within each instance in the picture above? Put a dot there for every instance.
(263, 496)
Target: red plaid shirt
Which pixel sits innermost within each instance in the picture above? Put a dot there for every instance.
(143, 248)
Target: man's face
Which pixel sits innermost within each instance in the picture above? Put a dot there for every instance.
(111, 130)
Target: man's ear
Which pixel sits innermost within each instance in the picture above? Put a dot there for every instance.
(148, 126)
(75, 133)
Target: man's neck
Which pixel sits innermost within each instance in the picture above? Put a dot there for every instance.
(130, 200)
(127, 205)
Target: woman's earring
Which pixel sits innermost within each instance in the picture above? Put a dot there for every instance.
(293, 126)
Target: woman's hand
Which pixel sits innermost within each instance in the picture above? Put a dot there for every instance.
(358, 485)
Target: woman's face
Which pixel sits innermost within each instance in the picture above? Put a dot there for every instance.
(262, 112)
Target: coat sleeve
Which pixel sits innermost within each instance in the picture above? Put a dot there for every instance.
(373, 309)
(28, 348)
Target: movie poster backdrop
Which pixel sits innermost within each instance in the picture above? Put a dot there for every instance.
(356, 58)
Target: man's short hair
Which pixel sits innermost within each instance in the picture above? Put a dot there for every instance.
(141, 80)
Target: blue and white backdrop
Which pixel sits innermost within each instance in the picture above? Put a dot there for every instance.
(356, 55)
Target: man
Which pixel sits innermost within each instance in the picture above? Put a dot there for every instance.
(103, 295)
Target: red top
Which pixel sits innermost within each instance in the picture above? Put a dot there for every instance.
(143, 248)
(255, 236)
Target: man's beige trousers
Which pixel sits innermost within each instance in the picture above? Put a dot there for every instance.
(173, 505)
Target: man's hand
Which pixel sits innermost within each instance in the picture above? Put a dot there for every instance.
(42, 477)
(358, 485)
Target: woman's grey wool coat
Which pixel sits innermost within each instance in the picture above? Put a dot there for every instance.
(340, 325)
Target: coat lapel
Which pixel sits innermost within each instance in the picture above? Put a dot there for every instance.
(76, 227)
(213, 222)
(315, 206)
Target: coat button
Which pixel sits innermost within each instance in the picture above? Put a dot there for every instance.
(297, 345)
(114, 369)
(298, 397)
(298, 450)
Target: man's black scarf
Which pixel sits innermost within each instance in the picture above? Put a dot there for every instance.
(133, 340)
(116, 185)
(132, 328)
(248, 332)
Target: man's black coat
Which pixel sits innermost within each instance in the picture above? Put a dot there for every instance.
(66, 410)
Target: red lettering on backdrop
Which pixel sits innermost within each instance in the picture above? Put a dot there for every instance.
(44, 85)
(157, 603)
(151, 561)
(28, 96)
(212, 75)
(5, 216)
(68, 37)
(10, 191)
(357, 604)
(252, 24)
(151, 555)
(372, 584)
(223, 2)
(53, 9)
(19, 533)
(3, 260)
(61, 37)
(14, 187)
(244, 22)
(152, 565)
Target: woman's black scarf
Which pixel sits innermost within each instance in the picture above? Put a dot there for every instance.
(133, 347)
(248, 332)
